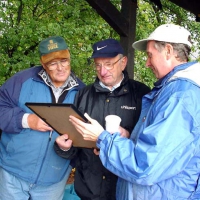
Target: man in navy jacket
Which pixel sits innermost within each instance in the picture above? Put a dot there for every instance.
(113, 92)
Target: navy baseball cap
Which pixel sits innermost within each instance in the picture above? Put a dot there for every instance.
(107, 49)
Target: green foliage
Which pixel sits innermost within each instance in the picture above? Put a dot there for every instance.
(148, 18)
(25, 23)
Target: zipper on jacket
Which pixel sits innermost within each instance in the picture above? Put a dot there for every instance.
(50, 135)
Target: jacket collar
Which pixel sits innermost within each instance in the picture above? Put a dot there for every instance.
(75, 82)
(178, 68)
(99, 88)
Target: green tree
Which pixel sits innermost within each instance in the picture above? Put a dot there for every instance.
(25, 23)
(148, 18)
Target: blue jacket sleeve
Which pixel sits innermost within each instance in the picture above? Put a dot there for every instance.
(10, 113)
(161, 150)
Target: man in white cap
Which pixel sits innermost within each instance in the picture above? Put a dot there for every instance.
(161, 160)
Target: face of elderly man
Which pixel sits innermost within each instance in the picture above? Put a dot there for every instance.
(109, 70)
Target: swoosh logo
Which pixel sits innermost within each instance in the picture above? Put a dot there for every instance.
(99, 48)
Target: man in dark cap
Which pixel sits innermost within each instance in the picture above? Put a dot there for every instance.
(111, 93)
(29, 167)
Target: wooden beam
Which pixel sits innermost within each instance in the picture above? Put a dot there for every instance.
(192, 6)
(111, 15)
(129, 8)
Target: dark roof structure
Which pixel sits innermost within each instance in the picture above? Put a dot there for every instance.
(124, 22)
(192, 6)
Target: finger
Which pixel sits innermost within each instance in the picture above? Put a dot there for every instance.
(45, 124)
(76, 121)
(89, 138)
(85, 132)
(77, 125)
(42, 129)
(96, 152)
(61, 138)
(48, 128)
(80, 130)
(68, 143)
(64, 137)
(88, 117)
(65, 144)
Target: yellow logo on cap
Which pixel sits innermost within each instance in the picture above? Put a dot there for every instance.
(52, 45)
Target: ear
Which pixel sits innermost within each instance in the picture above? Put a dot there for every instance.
(124, 61)
(43, 65)
(169, 51)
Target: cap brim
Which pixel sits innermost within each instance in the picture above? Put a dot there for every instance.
(140, 45)
(54, 55)
(104, 55)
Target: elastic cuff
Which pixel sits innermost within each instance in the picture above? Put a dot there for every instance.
(65, 149)
(101, 137)
(25, 120)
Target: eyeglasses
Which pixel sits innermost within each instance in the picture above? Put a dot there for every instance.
(54, 65)
(107, 65)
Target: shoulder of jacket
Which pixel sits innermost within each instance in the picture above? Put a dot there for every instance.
(138, 84)
(21, 76)
(85, 89)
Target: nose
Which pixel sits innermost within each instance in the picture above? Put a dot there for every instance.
(148, 63)
(59, 65)
(103, 71)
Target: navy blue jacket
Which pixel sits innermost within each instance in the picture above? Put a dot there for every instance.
(92, 180)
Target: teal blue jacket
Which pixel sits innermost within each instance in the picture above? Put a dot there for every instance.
(26, 153)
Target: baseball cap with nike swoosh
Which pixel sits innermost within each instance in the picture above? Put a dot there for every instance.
(107, 49)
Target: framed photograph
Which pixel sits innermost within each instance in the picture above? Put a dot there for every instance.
(57, 116)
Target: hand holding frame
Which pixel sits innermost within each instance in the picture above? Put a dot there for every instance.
(89, 131)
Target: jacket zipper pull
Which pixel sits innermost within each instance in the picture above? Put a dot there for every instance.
(50, 135)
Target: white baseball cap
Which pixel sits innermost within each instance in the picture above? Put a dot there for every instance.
(165, 33)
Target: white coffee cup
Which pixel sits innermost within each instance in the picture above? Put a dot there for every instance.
(112, 123)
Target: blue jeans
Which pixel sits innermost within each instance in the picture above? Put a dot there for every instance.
(13, 188)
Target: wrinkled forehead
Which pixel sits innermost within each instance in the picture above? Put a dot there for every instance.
(100, 60)
(150, 45)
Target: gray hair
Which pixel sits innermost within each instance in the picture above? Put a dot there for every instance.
(182, 50)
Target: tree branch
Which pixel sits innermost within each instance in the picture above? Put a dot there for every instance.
(19, 12)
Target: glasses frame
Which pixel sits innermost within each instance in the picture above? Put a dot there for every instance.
(102, 65)
(51, 68)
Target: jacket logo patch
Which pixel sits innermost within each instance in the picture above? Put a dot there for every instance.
(128, 108)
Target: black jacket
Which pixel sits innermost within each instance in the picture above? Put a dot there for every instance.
(92, 180)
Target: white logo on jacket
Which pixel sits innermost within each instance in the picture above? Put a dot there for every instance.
(128, 108)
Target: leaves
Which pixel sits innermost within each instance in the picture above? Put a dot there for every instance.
(25, 23)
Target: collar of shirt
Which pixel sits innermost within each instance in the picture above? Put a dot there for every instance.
(114, 87)
(57, 91)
